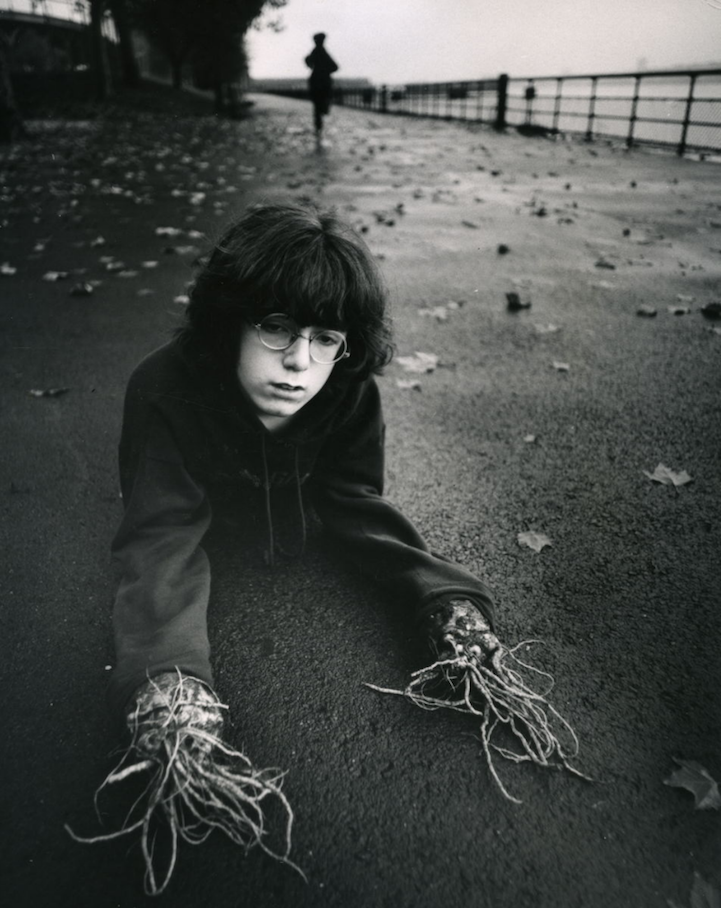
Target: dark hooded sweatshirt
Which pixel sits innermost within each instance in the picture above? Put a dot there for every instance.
(193, 451)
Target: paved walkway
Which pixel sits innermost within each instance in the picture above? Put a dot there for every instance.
(394, 806)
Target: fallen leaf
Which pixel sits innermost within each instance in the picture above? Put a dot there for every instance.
(529, 439)
(127, 273)
(149, 264)
(604, 263)
(546, 329)
(440, 313)
(667, 477)
(418, 363)
(515, 303)
(408, 384)
(145, 291)
(694, 778)
(168, 231)
(535, 541)
(679, 310)
(48, 392)
(646, 311)
(711, 310)
(98, 241)
(83, 289)
(181, 300)
(55, 276)
(561, 367)
(703, 894)
(7, 269)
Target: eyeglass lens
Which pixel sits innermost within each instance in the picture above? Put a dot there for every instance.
(278, 332)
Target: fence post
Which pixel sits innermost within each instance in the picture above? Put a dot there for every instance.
(557, 103)
(384, 99)
(687, 116)
(501, 102)
(634, 108)
(591, 109)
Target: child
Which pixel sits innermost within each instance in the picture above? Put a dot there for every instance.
(262, 406)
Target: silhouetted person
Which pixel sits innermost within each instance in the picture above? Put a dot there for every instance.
(320, 82)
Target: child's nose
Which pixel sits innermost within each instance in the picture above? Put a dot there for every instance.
(297, 356)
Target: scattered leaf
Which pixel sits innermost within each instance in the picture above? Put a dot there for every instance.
(515, 303)
(55, 276)
(48, 392)
(114, 266)
(182, 299)
(529, 439)
(7, 269)
(603, 285)
(703, 894)
(711, 310)
(561, 367)
(604, 263)
(470, 224)
(679, 310)
(83, 289)
(535, 541)
(149, 264)
(440, 313)
(646, 311)
(145, 291)
(127, 273)
(546, 329)
(168, 231)
(694, 778)
(667, 477)
(409, 384)
(418, 363)
(98, 241)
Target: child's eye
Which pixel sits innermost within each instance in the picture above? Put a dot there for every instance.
(274, 327)
(328, 339)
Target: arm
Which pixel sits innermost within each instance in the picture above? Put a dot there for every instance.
(381, 541)
(159, 615)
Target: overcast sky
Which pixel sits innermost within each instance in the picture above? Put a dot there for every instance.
(442, 40)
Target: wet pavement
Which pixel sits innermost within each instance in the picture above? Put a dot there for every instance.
(546, 419)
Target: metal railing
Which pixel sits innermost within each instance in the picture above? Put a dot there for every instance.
(679, 110)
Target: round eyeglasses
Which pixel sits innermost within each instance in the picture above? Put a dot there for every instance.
(278, 332)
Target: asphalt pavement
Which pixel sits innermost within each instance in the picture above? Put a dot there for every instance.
(548, 419)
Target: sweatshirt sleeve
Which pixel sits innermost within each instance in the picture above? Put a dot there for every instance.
(373, 533)
(160, 609)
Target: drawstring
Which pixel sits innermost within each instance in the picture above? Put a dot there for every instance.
(268, 513)
(299, 493)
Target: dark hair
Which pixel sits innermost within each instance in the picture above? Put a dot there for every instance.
(297, 259)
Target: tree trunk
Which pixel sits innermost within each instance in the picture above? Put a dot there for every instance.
(98, 50)
(131, 72)
(11, 124)
(176, 67)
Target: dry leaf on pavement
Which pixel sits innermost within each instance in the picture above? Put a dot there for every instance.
(666, 476)
(535, 541)
(418, 363)
(694, 778)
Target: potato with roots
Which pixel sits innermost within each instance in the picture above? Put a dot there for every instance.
(475, 673)
(196, 784)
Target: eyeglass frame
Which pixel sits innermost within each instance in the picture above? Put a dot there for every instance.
(296, 334)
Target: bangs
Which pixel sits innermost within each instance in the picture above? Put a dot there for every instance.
(321, 285)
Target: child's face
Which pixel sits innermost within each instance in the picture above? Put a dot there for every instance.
(279, 382)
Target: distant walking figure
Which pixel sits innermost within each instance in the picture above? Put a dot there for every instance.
(320, 82)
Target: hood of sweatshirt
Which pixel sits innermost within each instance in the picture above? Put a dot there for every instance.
(223, 443)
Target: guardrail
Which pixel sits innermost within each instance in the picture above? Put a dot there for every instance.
(666, 108)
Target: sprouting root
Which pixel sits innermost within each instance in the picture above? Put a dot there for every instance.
(493, 688)
(197, 782)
